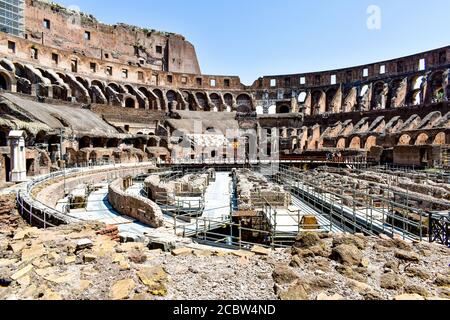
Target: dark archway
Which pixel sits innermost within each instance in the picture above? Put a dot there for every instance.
(4, 84)
(85, 142)
(283, 109)
(130, 103)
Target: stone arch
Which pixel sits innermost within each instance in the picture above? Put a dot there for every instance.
(436, 89)
(138, 143)
(84, 82)
(355, 143)
(6, 81)
(378, 94)
(172, 97)
(202, 101)
(330, 94)
(414, 95)
(152, 99)
(302, 97)
(228, 98)
(272, 109)
(404, 140)
(370, 142)
(216, 101)
(422, 139)
(244, 100)
(130, 103)
(341, 143)
(318, 102)
(283, 109)
(440, 139)
(114, 86)
(189, 97)
(259, 110)
(162, 100)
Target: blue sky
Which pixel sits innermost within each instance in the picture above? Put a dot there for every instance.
(252, 38)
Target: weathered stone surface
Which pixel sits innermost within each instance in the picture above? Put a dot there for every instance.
(295, 292)
(89, 257)
(70, 260)
(181, 252)
(407, 256)
(84, 244)
(261, 251)
(347, 255)
(296, 262)
(391, 281)
(122, 289)
(415, 289)
(154, 279)
(306, 240)
(357, 241)
(284, 275)
(442, 280)
(137, 256)
(22, 272)
(242, 254)
(418, 272)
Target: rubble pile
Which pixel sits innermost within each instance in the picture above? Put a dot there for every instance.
(84, 261)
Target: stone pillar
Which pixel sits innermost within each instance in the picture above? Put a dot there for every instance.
(18, 156)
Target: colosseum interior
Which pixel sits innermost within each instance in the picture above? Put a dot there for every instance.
(114, 128)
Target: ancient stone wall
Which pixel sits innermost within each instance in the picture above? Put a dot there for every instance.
(61, 28)
(139, 208)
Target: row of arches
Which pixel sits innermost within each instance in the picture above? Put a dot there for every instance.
(421, 88)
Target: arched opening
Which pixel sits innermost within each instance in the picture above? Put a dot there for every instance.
(422, 139)
(138, 144)
(302, 97)
(152, 101)
(341, 144)
(355, 144)
(114, 86)
(415, 92)
(379, 96)
(404, 140)
(439, 139)
(330, 95)
(228, 98)
(4, 83)
(318, 103)
(85, 142)
(272, 109)
(98, 142)
(172, 97)
(130, 103)
(152, 142)
(370, 142)
(436, 87)
(3, 139)
(283, 109)
(202, 102)
(244, 100)
(161, 99)
(215, 99)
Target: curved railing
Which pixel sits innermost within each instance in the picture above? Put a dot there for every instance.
(40, 214)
